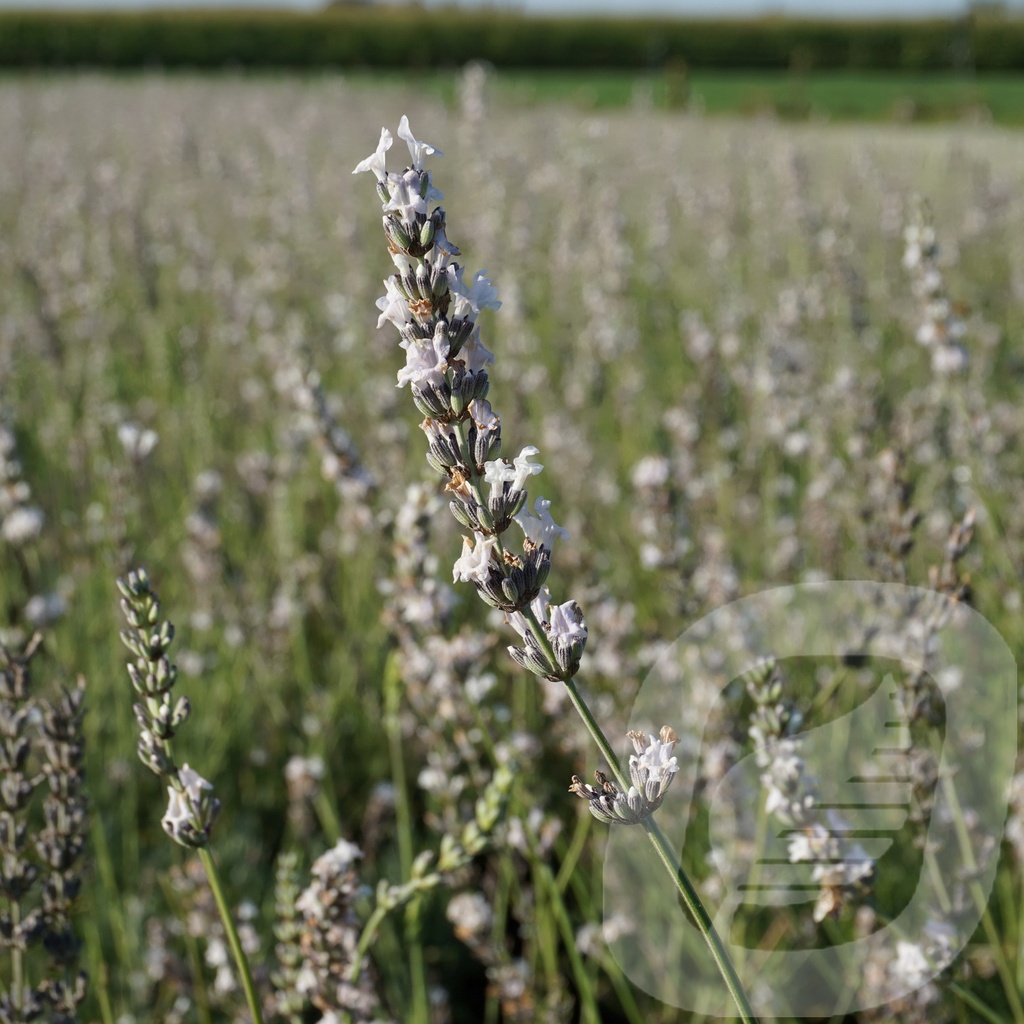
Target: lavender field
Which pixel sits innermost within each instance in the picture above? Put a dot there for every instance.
(750, 354)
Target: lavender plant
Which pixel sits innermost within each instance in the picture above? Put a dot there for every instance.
(941, 329)
(435, 311)
(40, 742)
(177, 252)
(192, 807)
(21, 528)
(842, 869)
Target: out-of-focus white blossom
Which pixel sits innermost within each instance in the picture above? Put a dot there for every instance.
(22, 525)
(941, 328)
(136, 441)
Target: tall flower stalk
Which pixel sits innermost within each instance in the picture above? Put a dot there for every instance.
(192, 808)
(435, 309)
(41, 747)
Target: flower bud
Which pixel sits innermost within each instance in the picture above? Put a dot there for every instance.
(436, 464)
(511, 589)
(421, 865)
(461, 513)
(432, 401)
(181, 712)
(397, 236)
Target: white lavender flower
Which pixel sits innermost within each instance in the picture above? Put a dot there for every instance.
(498, 471)
(941, 329)
(471, 300)
(911, 965)
(136, 441)
(563, 627)
(417, 150)
(22, 525)
(376, 161)
(651, 770)
(191, 810)
(435, 307)
(839, 865)
(540, 529)
(652, 471)
(471, 916)
(334, 977)
(784, 779)
(43, 610)
(475, 562)
(592, 939)
(338, 859)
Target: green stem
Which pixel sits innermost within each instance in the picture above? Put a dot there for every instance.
(573, 853)
(192, 952)
(195, 965)
(981, 902)
(417, 962)
(503, 892)
(403, 815)
(17, 963)
(756, 864)
(232, 934)
(546, 929)
(103, 995)
(667, 856)
(366, 937)
(975, 1003)
(581, 892)
(588, 1011)
(1020, 937)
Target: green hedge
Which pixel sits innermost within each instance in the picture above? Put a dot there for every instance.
(414, 38)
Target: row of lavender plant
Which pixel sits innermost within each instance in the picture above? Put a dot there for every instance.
(182, 269)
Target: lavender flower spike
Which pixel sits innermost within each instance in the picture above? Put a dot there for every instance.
(435, 306)
(436, 315)
(651, 770)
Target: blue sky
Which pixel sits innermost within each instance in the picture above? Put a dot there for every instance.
(865, 8)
